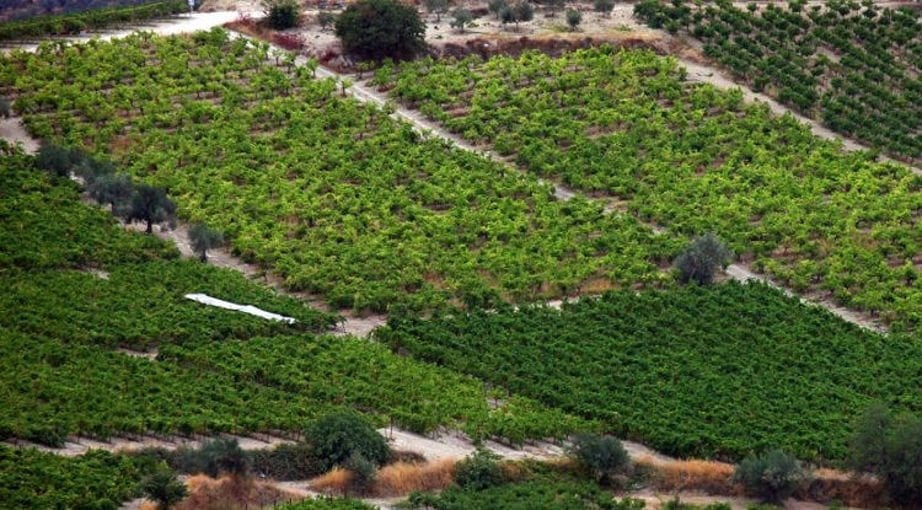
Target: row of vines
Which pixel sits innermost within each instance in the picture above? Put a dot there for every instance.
(855, 66)
(335, 196)
(705, 372)
(76, 22)
(694, 159)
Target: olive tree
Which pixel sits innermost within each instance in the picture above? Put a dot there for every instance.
(204, 238)
(702, 258)
(149, 204)
(437, 7)
(460, 18)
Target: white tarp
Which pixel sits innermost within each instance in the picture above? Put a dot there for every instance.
(205, 299)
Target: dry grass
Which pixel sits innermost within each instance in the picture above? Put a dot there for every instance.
(692, 475)
(230, 493)
(337, 481)
(848, 488)
(402, 478)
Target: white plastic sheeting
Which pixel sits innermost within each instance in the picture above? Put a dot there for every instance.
(205, 299)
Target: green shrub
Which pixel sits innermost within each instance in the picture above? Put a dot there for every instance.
(287, 462)
(603, 456)
(163, 487)
(891, 448)
(773, 477)
(363, 471)
(702, 258)
(479, 471)
(281, 14)
(337, 436)
(379, 29)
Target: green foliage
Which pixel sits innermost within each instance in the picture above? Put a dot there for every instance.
(281, 14)
(287, 462)
(326, 19)
(57, 160)
(692, 158)
(890, 447)
(324, 503)
(150, 205)
(98, 480)
(544, 493)
(204, 238)
(460, 17)
(701, 260)
(114, 190)
(337, 437)
(379, 29)
(496, 7)
(438, 7)
(603, 6)
(363, 471)
(221, 456)
(93, 19)
(646, 364)
(773, 476)
(865, 91)
(163, 487)
(335, 197)
(603, 456)
(479, 471)
(574, 18)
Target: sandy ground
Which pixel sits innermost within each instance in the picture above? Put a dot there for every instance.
(12, 130)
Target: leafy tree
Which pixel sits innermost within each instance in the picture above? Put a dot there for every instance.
(479, 471)
(163, 487)
(5, 109)
(460, 18)
(772, 477)
(603, 456)
(574, 18)
(378, 29)
(702, 258)
(57, 160)
(281, 14)
(496, 7)
(149, 204)
(603, 6)
(204, 238)
(223, 456)
(337, 436)
(114, 190)
(438, 7)
(326, 19)
(521, 11)
(891, 448)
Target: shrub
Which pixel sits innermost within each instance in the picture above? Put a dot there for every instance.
(772, 477)
(281, 14)
(573, 18)
(363, 472)
(213, 458)
(57, 160)
(287, 462)
(701, 259)
(603, 456)
(163, 487)
(891, 448)
(379, 29)
(337, 436)
(479, 471)
(460, 18)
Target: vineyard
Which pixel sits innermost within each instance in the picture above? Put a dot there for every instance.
(854, 66)
(694, 159)
(76, 22)
(708, 372)
(335, 196)
(60, 376)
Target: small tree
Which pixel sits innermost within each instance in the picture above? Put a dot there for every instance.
(5, 108)
(326, 20)
(479, 471)
(224, 456)
(574, 18)
(522, 12)
(203, 239)
(890, 447)
(460, 18)
(437, 7)
(603, 456)
(150, 204)
(337, 436)
(772, 477)
(163, 487)
(57, 160)
(702, 258)
(114, 190)
(603, 6)
(379, 29)
(496, 7)
(281, 14)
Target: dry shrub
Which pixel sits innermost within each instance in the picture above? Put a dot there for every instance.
(402, 478)
(230, 493)
(850, 489)
(337, 481)
(692, 475)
